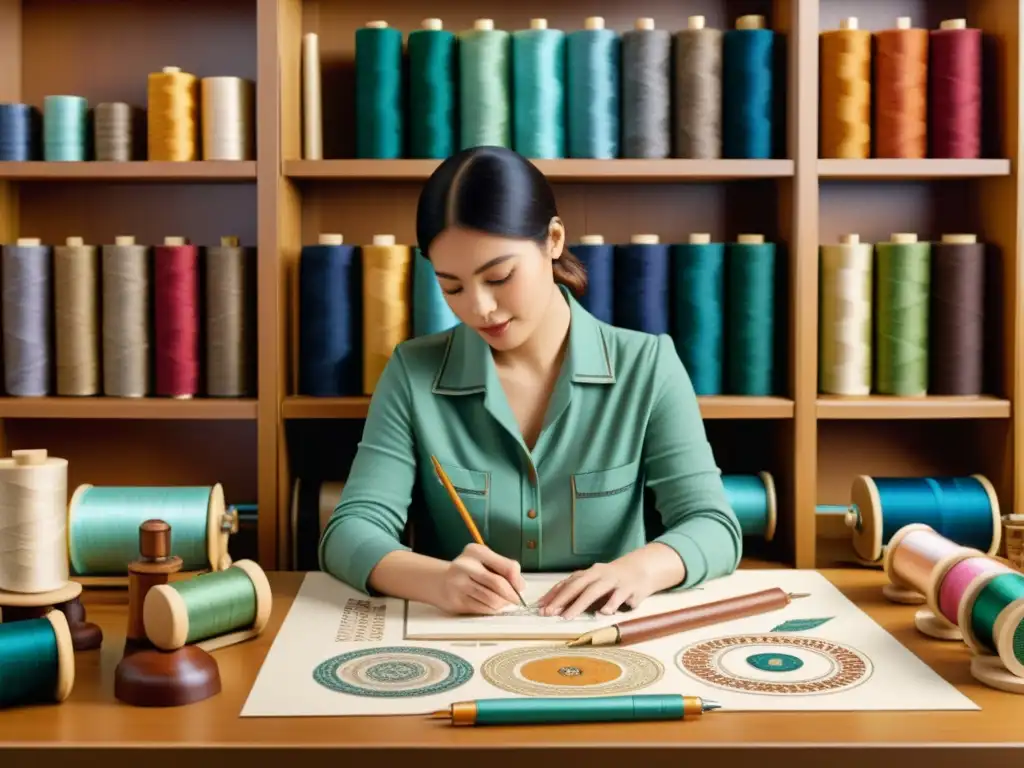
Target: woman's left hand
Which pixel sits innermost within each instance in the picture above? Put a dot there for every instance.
(607, 586)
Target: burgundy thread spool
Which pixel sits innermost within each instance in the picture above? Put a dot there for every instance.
(955, 90)
(176, 309)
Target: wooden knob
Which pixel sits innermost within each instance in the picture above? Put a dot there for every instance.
(154, 540)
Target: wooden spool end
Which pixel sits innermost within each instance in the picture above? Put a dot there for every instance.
(384, 240)
(171, 70)
(29, 457)
(696, 22)
(330, 239)
(751, 21)
(594, 22)
(750, 239)
(960, 239)
(953, 24)
(903, 238)
(644, 239)
(592, 240)
(850, 239)
(903, 22)
(851, 22)
(432, 24)
(229, 241)
(644, 23)
(74, 242)
(174, 241)
(483, 25)
(29, 242)
(65, 655)
(699, 238)
(124, 240)
(538, 23)
(376, 24)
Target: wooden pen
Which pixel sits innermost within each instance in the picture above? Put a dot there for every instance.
(659, 625)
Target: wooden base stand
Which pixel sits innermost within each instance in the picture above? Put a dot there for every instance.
(19, 607)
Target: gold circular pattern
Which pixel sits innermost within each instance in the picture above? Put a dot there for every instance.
(547, 671)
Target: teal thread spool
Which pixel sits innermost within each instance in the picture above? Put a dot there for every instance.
(379, 92)
(430, 311)
(37, 661)
(748, 99)
(432, 99)
(593, 57)
(903, 269)
(485, 79)
(991, 619)
(103, 526)
(65, 128)
(750, 321)
(212, 610)
(538, 86)
(753, 499)
(698, 310)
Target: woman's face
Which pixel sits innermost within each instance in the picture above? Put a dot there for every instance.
(499, 286)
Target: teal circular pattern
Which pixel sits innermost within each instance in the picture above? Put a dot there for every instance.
(393, 672)
(774, 662)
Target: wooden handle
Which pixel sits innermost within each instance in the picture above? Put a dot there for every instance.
(457, 501)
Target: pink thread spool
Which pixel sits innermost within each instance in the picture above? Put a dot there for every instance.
(950, 578)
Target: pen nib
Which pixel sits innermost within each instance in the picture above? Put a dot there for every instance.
(798, 595)
(441, 714)
(708, 706)
(578, 642)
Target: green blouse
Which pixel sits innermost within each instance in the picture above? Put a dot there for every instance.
(623, 418)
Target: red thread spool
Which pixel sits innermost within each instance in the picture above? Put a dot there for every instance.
(176, 305)
(955, 90)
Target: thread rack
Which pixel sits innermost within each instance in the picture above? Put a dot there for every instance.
(812, 444)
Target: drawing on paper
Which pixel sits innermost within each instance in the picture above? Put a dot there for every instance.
(362, 621)
(393, 672)
(545, 671)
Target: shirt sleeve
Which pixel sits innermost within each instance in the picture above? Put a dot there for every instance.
(371, 516)
(700, 525)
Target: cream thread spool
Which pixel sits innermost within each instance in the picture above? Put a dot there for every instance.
(312, 99)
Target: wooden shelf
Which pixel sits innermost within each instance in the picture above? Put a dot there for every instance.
(557, 170)
(208, 171)
(724, 407)
(126, 408)
(912, 169)
(936, 407)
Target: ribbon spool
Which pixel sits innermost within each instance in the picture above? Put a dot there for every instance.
(37, 661)
(910, 559)
(210, 611)
(991, 619)
(949, 578)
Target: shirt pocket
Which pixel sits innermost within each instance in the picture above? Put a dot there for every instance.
(474, 489)
(602, 505)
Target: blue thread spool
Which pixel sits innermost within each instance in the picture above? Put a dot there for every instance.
(753, 499)
(430, 310)
(641, 285)
(37, 661)
(963, 509)
(748, 54)
(598, 259)
(19, 125)
(65, 128)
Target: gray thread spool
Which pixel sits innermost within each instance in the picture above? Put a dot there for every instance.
(27, 291)
(646, 91)
(76, 317)
(228, 315)
(126, 324)
(698, 91)
(113, 131)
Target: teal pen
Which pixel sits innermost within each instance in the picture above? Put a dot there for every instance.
(596, 709)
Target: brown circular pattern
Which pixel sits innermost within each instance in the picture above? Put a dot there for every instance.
(846, 668)
(547, 671)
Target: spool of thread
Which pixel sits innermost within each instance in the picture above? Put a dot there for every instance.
(113, 132)
(911, 556)
(312, 506)
(65, 129)
(963, 509)
(955, 90)
(19, 130)
(228, 118)
(903, 289)
(212, 610)
(901, 91)
(386, 318)
(598, 259)
(33, 523)
(126, 323)
(698, 310)
(748, 54)
(646, 91)
(538, 87)
(430, 311)
(432, 60)
(846, 91)
(991, 619)
(593, 55)
(485, 77)
(750, 319)
(27, 311)
(176, 305)
(753, 499)
(950, 578)
(37, 661)
(380, 131)
(103, 526)
(957, 313)
(330, 318)
(641, 285)
(229, 313)
(76, 289)
(312, 99)
(846, 302)
(698, 91)
(173, 114)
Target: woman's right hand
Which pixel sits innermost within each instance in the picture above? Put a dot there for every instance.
(479, 581)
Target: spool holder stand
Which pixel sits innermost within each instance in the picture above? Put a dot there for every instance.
(147, 676)
(85, 636)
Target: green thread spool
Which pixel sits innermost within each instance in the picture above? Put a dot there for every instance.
(991, 619)
(37, 661)
(903, 267)
(103, 527)
(698, 312)
(538, 77)
(485, 76)
(212, 610)
(432, 99)
(379, 92)
(750, 319)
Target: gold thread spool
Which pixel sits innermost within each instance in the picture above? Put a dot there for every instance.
(76, 314)
(172, 110)
(846, 91)
(227, 118)
(846, 306)
(386, 316)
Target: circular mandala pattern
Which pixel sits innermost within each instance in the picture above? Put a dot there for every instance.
(546, 671)
(393, 672)
(775, 664)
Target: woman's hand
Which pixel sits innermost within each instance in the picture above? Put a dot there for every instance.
(479, 581)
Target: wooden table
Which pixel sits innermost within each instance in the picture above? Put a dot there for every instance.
(94, 721)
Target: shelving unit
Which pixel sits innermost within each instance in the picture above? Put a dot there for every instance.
(813, 445)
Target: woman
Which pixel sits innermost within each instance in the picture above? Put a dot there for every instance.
(548, 422)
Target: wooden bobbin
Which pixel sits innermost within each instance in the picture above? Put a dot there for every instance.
(960, 239)
(124, 240)
(752, 21)
(29, 242)
(229, 241)
(592, 240)
(903, 22)
(594, 22)
(850, 239)
(699, 238)
(644, 24)
(74, 242)
(376, 25)
(953, 24)
(850, 23)
(750, 239)
(483, 25)
(538, 23)
(1002, 672)
(330, 239)
(384, 240)
(145, 676)
(644, 239)
(432, 24)
(696, 22)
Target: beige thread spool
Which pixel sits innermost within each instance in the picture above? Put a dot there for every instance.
(386, 315)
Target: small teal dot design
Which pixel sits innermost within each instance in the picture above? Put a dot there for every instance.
(393, 672)
(774, 662)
